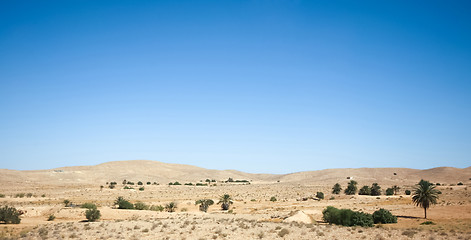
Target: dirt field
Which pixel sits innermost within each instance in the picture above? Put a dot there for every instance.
(252, 216)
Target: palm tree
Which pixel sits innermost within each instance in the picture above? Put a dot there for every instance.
(204, 204)
(395, 189)
(425, 195)
(351, 188)
(336, 189)
(375, 189)
(171, 207)
(225, 201)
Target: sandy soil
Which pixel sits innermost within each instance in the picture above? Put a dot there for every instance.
(252, 216)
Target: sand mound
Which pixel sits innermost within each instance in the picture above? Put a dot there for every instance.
(299, 217)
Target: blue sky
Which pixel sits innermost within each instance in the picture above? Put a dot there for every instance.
(257, 86)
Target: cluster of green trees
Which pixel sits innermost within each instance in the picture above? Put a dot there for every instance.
(347, 217)
(374, 190)
(424, 193)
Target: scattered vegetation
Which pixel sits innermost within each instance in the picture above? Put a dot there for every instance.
(273, 199)
(9, 215)
(389, 191)
(428, 223)
(407, 192)
(383, 216)
(67, 203)
(320, 195)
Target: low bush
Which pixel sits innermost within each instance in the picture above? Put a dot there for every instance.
(389, 191)
(320, 195)
(283, 232)
(51, 218)
(428, 223)
(141, 189)
(2, 195)
(460, 184)
(9, 215)
(383, 216)
(88, 205)
(92, 214)
(158, 208)
(347, 217)
(365, 190)
(141, 206)
(67, 203)
(171, 207)
(407, 192)
(123, 203)
(273, 199)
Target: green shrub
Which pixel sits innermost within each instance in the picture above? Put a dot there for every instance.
(389, 191)
(51, 218)
(383, 216)
(28, 195)
(126, 187)
(362, 219)
(375, 190)
(141, 189)
(141, 206)
(140, 183)
(171, 207)
(460, 184)
(351, 188)
(428, 223)
(336, 189)
(9, 215)
(365, 190)
(92, 214)
(177, 183)
(273, 199)
(407, 192)
(320, 195)
(67, 203)
(2, 195)
(158, 208)
(283, 232)
(148, 183)
(88, 205)
(347, 217)
(20, 195)
(123, 203)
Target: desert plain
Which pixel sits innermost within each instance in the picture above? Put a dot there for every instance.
(265, 206)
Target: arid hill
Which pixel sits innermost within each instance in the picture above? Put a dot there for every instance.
(154, 171)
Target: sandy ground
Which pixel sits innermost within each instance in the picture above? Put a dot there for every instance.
(252, 216)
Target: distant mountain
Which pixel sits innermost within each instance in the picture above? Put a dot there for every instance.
(163, 173)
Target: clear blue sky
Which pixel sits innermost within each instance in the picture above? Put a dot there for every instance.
(258, 86)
